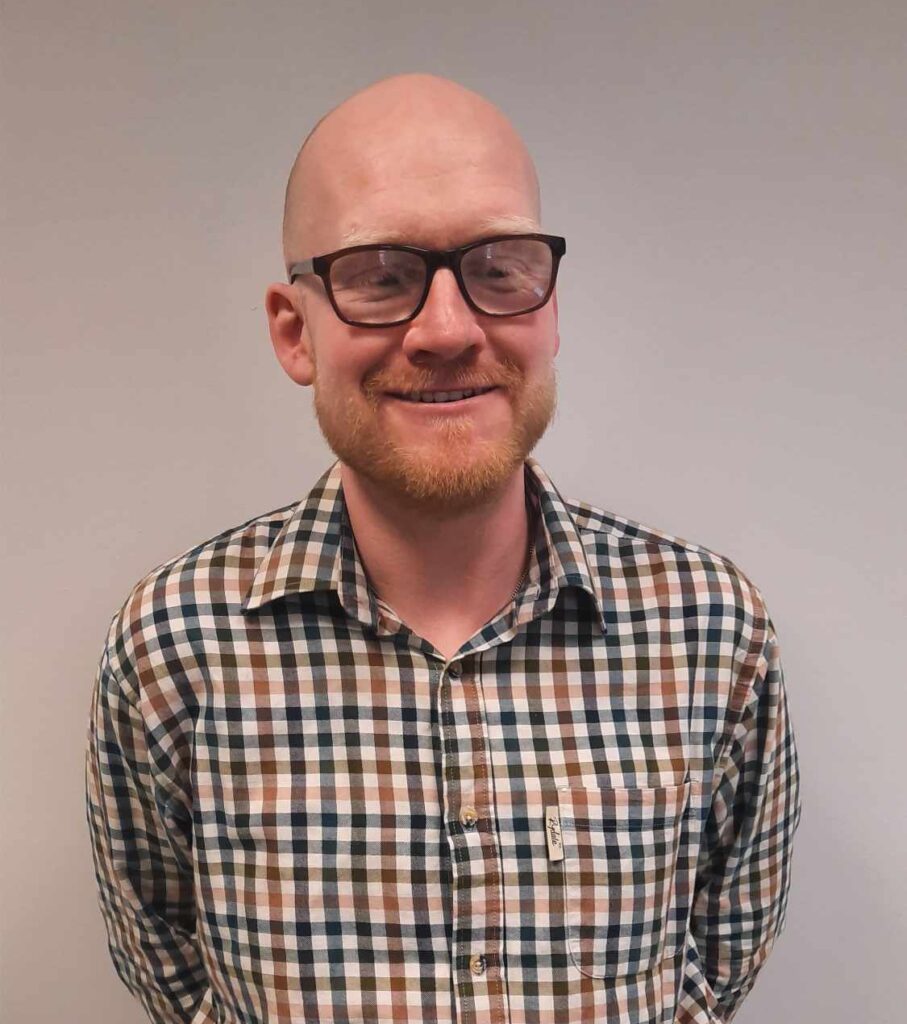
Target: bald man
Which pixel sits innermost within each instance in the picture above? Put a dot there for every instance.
(435, 743)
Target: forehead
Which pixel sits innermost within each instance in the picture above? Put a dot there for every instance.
(420, 235)
(436, 186)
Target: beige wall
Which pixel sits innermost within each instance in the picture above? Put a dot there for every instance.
(731, 180)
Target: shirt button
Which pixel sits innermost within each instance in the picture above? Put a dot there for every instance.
(455, 670)
(477, 963)
(468, 817)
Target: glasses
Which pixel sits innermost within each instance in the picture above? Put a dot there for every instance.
(384, 285)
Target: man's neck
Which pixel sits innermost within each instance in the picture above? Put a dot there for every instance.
(458, 571)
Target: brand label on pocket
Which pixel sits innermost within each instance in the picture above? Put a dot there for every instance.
(553, 832)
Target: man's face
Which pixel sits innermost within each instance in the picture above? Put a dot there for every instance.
(438, 192)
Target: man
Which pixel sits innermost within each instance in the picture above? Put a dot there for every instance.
(436, 744)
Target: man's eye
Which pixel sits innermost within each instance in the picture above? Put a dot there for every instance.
(383, 281)
(498, 270)
(380, 280)
(499, 276)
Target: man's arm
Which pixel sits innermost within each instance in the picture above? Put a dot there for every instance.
(743, 873)
(141, 842)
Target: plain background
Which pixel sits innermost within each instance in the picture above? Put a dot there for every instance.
(730, 177)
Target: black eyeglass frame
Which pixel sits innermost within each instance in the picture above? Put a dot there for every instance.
(433, 259)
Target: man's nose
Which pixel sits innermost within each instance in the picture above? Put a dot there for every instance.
(446, 327)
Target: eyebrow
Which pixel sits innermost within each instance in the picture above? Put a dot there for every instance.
(490, 226)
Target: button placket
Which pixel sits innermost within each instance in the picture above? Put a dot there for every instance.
(478, 898)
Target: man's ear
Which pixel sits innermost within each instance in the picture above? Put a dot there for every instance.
(289, 333)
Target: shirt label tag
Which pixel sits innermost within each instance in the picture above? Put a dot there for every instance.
(553, 832)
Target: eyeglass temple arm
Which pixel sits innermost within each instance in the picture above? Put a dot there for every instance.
(297, 269)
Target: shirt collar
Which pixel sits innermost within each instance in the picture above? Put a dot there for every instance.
(560, 559)
(311, 549)
(315, 551)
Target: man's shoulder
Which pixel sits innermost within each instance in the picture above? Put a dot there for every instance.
(204, 582)
(610, 528)
(634, 550)
(232, 552)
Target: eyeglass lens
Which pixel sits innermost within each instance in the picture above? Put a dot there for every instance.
(383, 285)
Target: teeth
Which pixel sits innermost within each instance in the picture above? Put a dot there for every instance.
(442, 396)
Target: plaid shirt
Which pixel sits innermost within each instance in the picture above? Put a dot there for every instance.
(300, 811)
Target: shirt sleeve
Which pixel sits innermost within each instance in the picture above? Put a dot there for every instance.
(743, 874)
(141, 842)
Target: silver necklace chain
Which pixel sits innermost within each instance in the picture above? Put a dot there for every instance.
(519, 585)
(530, 518)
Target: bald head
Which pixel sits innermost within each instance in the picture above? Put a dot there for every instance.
(410, 157)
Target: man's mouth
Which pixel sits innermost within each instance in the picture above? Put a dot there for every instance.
(433, 397)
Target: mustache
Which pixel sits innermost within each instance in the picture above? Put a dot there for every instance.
(504, 375)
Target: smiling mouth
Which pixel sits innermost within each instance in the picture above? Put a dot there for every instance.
(440, 397)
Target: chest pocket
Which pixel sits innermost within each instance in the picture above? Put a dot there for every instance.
(620, 862)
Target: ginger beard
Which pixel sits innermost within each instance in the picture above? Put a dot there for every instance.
(446, 470)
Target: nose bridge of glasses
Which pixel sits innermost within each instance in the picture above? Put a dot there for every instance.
(444, 260)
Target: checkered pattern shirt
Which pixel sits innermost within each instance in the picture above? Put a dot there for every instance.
(301, 811)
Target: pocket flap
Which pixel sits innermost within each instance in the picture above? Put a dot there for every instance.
(621, 808)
